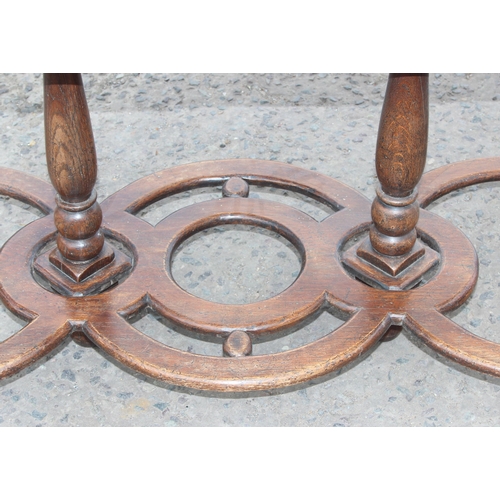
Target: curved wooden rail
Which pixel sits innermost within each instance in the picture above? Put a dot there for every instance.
(323, 281)
(65, 275)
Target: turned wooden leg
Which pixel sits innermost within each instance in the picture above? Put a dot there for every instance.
(392, 257)
(81, 251)
(400, 162)
(72, 164)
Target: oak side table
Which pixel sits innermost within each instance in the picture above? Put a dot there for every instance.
(86, 269)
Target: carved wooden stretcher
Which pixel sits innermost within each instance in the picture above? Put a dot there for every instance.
(85, 270)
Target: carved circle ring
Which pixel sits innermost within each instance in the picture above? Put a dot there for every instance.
(322, 281)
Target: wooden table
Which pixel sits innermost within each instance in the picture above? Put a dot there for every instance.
(86, 271)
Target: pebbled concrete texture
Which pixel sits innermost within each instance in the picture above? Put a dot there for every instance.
(323, 122)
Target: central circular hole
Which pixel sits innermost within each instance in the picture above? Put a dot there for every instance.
(236, 264)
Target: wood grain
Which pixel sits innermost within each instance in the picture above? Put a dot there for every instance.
(372, 315)
(72, 164)
(400, 161)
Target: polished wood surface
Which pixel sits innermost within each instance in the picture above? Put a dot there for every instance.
(83, 263)
(72, 164)
(392, 257)
(400, 161)
(98, 305)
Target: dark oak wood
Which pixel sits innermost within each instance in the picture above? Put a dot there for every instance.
(102, 317)
(321, 283)
(72, 164)
(235, 186)
(392, 257)
(400, 161)
(237, 344)
(448, 178)
(83, 263)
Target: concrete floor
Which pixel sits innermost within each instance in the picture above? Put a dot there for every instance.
(327, 123)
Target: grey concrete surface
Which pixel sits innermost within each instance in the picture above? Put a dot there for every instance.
(328, 123)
